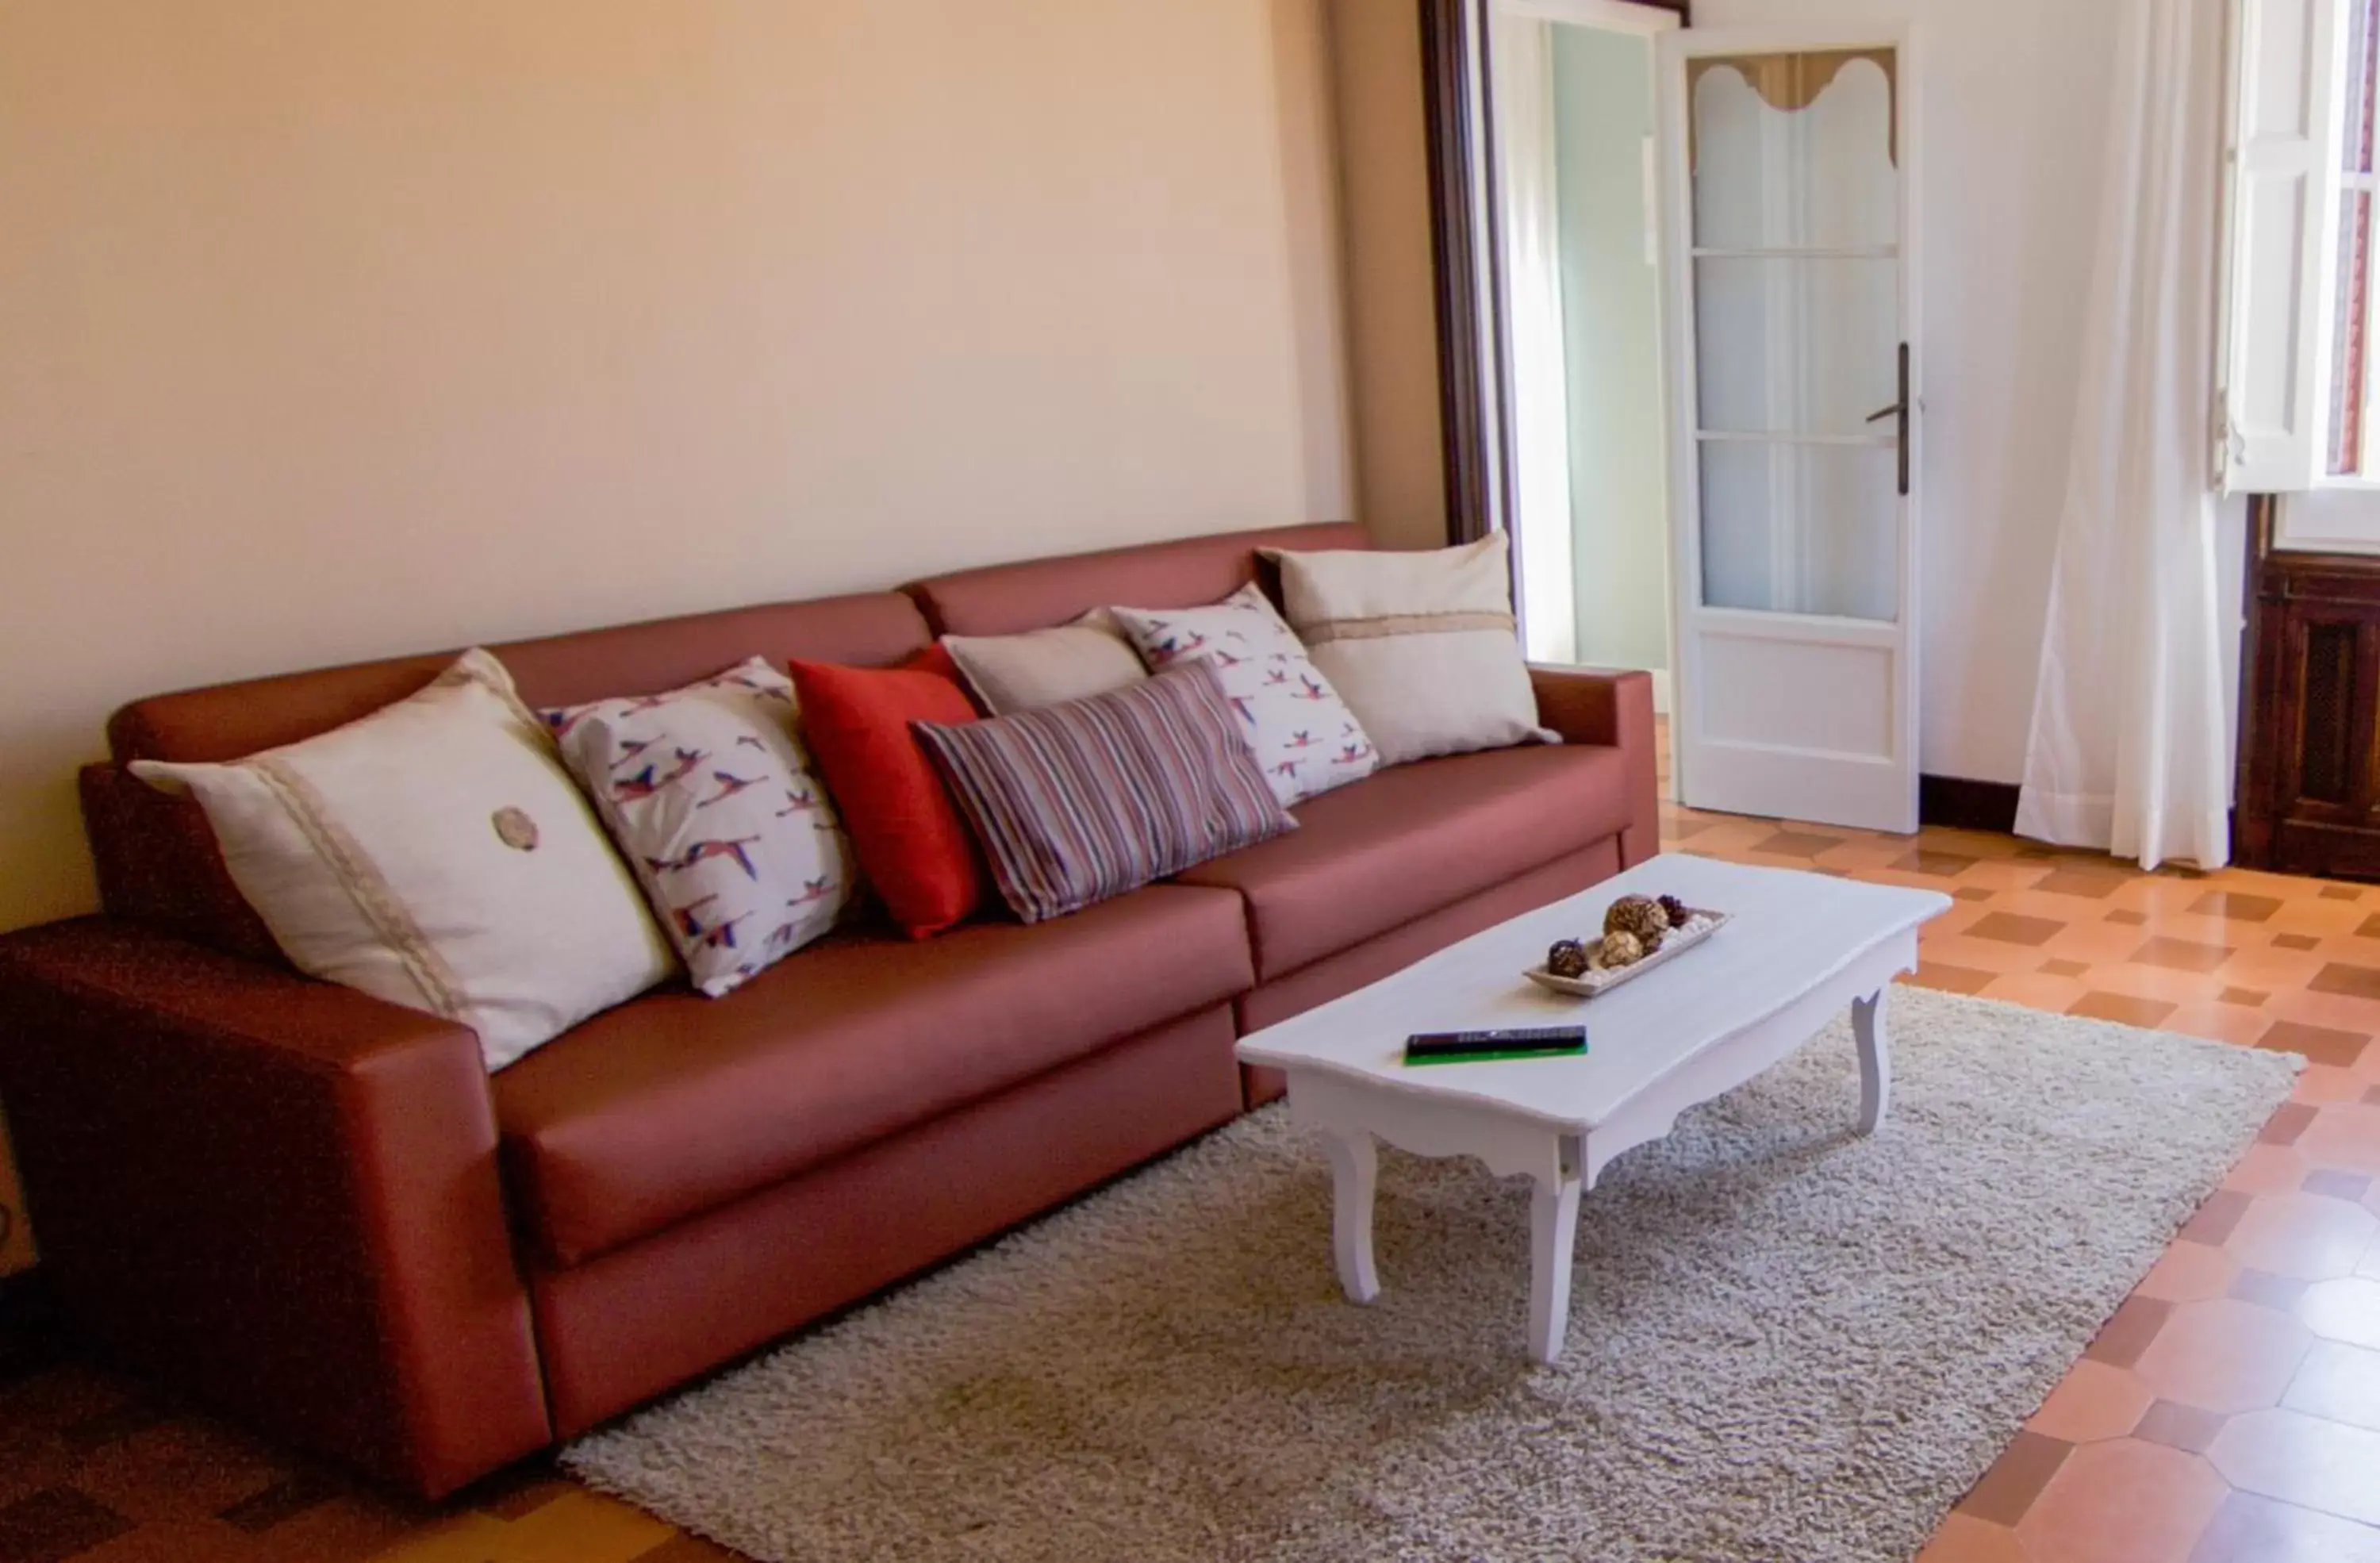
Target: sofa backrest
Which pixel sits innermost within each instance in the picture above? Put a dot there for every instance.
(1007, 599)
(226, 720)
(157, 858)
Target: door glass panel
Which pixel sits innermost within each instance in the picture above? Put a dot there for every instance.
(1801, 528)
(1785, 345)
(1794, 151)
(1797, 302)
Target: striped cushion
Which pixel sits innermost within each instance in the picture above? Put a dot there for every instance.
(1086, 799)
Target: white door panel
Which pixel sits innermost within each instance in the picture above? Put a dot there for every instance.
(1791, 290)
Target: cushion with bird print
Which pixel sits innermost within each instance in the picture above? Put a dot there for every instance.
(713, 800)
(1304, 738)
(436, 854)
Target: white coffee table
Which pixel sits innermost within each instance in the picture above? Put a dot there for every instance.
(1798, 950)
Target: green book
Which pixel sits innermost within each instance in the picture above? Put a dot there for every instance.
(1427, 1059)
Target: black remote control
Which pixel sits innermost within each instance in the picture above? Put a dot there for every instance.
(1511, 1042)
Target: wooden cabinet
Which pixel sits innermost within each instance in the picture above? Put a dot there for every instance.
(2309, 776)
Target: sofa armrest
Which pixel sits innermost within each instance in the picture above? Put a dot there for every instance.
(1615, 710)
(280, 1195)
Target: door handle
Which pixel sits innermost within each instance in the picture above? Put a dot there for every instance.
(1899, 410)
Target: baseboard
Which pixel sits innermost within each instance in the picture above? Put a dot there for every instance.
(1961, 805)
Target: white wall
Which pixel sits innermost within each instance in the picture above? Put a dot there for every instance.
(2014, 121)
(2012, 115)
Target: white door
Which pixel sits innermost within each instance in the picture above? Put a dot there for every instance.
(1790, 284)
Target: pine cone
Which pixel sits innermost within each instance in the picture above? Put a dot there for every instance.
(1567, 957)
(1638, 914)
(1621, 947)
(1679, 912)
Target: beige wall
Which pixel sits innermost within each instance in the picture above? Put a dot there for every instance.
(1391, 323)
(334, 330)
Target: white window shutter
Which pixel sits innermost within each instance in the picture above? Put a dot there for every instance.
(2287, 69)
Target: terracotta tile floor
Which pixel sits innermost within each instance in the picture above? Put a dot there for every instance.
(2231, 1410)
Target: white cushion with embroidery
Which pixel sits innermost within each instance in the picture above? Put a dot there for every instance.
(715, 803)
(436, 854)
(1305, 739)
(1422, 645)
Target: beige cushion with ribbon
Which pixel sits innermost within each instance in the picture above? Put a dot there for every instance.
(1023, 672)
(436, 854)
(1422, 647)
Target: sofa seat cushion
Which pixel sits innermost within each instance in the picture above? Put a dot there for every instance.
(676, 1103)
(1412, 838)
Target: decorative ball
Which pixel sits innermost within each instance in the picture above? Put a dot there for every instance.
(1621, 947)
(1678, 911)
(1567, 957)
(1638, 915)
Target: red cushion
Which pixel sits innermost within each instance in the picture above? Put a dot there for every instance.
(911, 842)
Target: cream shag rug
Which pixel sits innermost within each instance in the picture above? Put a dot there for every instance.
(1785, 1343)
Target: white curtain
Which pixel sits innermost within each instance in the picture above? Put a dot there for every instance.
(1539, 404)
(2127, 747)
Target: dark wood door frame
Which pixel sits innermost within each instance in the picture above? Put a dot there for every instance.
(1461, 268)
(1478, 480)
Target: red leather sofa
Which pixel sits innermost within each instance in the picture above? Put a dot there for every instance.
(319, 1213)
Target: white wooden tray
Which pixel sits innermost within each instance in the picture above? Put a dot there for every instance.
(1700, 926)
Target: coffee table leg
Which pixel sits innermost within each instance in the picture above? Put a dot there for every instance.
(1876, 1059)
(1355, 1169)
(1553, 1229)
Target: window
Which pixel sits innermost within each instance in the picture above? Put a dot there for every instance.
(2348, 451)
(2301, 369)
